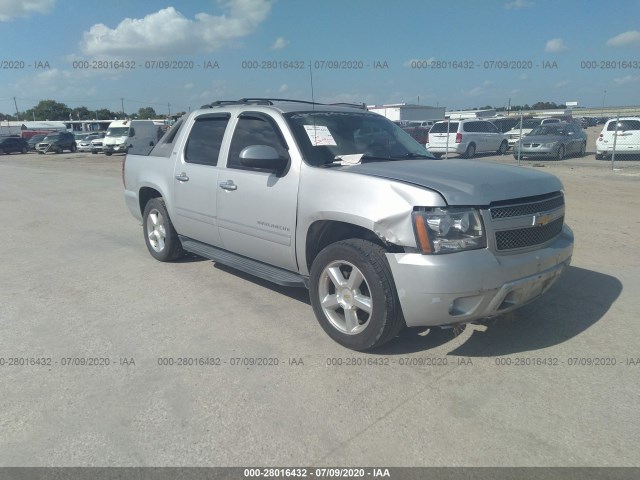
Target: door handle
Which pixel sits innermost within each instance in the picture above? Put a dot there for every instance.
(228, 185)
(182, 177)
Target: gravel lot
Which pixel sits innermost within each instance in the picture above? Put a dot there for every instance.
(555, 384)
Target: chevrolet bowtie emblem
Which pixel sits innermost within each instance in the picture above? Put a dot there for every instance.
(540, 220)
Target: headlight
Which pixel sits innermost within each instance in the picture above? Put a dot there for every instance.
(549, 145)
(446, 230)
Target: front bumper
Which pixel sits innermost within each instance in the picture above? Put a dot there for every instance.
(536, 151)
(121, 148)
(466, 286)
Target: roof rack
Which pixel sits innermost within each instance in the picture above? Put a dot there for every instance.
(270, 101)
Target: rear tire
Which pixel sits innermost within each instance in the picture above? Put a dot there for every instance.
(73, 148)
(24, 150)
(470, 152)
(583, 150)
(437, 155)
(160, 237)
(504, 146)
(353, 294)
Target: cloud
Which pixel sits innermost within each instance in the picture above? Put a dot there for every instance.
(562, 83)
(280, 42)
(555, 45)
(518, 4)
(479, 90)
(168, 32)
(626, 39)
(626, 80)
(284, 88)
(188, 86)
(10, 9)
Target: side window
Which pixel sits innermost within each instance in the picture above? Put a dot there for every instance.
(205, 139)
(254, 130)
(471, 127)
(490, 127)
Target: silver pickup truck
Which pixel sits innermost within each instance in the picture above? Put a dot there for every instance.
(345, 203)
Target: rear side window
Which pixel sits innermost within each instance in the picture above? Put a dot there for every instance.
(164, 146)
(442, 127)
(624, 125)
(205, 140)
(474, 127)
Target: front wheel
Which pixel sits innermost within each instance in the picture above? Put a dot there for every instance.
(560, 153)
(353, 294)
(160, 236)
(504, 146)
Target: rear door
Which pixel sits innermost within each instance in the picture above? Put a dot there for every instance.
(195, 181)
(438, 134)
(257, 209)
(493, 136)
(628, 135)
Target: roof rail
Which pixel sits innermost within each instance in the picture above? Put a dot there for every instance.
(270, 101)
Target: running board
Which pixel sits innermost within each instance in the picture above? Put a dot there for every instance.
(244, 264)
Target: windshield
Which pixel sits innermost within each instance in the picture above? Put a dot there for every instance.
(328, 137)
(52, 137)
(548, 130)
(118, 132)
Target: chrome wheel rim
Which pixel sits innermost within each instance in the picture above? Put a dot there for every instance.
(345, 297)
(156, 232)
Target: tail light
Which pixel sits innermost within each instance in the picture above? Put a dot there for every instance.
(458, 137)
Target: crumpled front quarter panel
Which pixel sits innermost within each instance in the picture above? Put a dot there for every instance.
(380, 205)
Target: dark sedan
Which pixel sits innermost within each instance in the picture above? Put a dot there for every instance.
(13, 144)
(556, 140)
(33, 141)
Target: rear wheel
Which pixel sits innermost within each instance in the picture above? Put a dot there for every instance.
(471, 151)
(353, 294)
(504, 146)
(73, 148)
(160, 236)
(24, 150)
(437, 155)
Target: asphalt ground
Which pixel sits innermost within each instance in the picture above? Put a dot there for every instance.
(110, 358)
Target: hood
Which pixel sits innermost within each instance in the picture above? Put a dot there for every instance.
(464, 182)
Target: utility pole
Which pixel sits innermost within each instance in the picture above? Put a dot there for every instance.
(16, 104)
(122, 103)
(169, 106)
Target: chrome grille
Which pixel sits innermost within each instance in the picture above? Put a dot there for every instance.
(529, 236)
(527, 208)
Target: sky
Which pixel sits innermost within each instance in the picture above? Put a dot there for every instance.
(176, 56)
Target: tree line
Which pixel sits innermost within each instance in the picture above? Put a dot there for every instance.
(55, 111)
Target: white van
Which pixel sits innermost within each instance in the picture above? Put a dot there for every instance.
(126, 135)
(628, 140)
(466, 137)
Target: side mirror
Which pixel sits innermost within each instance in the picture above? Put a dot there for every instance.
(263, 157)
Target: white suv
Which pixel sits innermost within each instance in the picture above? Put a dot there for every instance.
(628, 140)
(466, 137)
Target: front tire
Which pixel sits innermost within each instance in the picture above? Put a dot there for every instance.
(353, 294)
(560, 153)
(159, 235)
